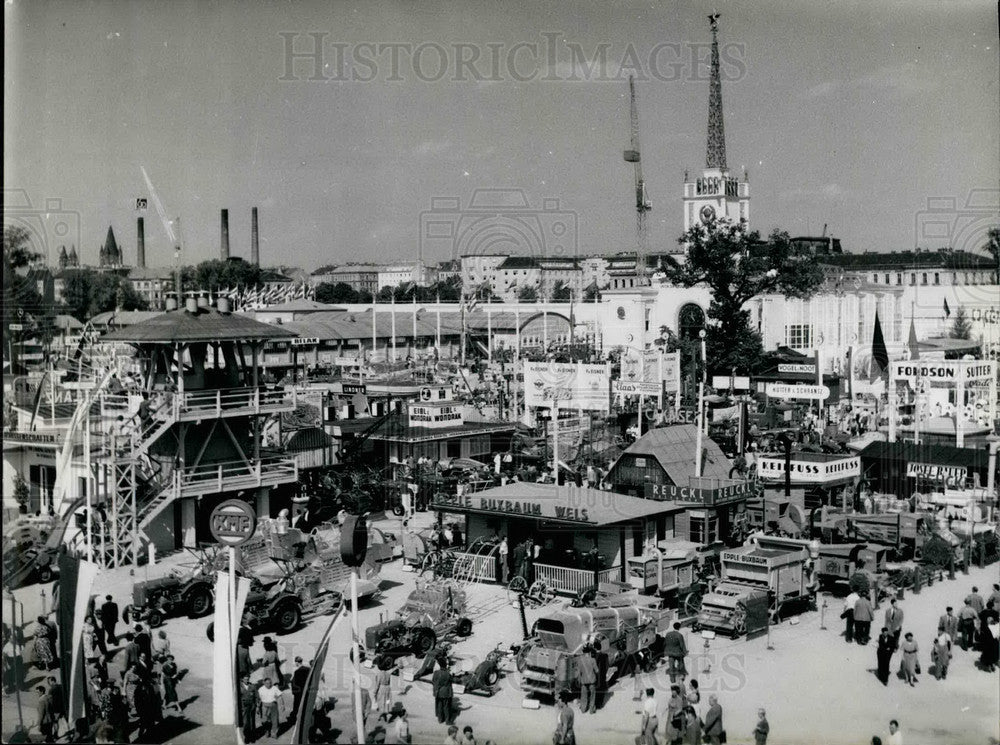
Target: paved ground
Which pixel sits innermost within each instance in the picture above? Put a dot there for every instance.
(815, 686)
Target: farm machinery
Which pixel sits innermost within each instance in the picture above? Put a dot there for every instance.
(677, 571)
(434, 610)
(628, 630)
(191, 593)
(757, 585)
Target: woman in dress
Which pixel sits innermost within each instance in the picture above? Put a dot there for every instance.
(674, 727)
(383, 687)
(989, 644)
(132, 681)
(45, 645)
(169, 678)
(910, 662)
(271, 661)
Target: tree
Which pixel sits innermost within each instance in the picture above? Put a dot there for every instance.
(87, 292)
(341, 292)
(592, 294)
(527, 293)
(961, 327)
(234, 273)
(992, 247)
(737, 267)
(562, 292)
(22, 303)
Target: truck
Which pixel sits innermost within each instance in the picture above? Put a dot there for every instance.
(629, 633)
(757, 585)
(433, 610)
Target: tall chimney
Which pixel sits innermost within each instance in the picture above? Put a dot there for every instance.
(225, 235)
(254, 239)
(140, 244)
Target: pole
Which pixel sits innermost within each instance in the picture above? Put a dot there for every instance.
(392, 312)
(697, 454)
(359, 721)
(489, 334)
(19, 668)
(374, 341)
(555, 440)
(437, 333)
(234, 626)
(413, 342)
(86, 481)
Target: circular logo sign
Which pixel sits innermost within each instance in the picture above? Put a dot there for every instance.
(233, 522)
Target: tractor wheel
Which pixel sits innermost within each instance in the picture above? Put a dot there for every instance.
(287, 617)
(127, 614)
(397, 509)
(521, 661)
(692, 603)
(199, 602)
(492, 677)
(45, 574)
(424, 641)
(155, 618)
(210, 631)
(463, 627)
(739, 621)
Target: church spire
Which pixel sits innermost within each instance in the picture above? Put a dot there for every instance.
(716, 155)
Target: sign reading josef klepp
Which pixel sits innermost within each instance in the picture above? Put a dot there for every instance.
(233, 522)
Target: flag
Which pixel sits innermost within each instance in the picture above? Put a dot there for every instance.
(307, 704)
(912, 343)
(76, 580)
(947, 310)
(880, 355)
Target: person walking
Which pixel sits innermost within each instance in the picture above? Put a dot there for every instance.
(248, 709)
(673, 728)
(884, 652)
(269, 696)
(586, 670)
(713, 722)
(169, 674)
(383, 687)
(565, 733)
(143, 641)
(976, 600)
(48, 717)
(503, 551)
(994, 596)
(848, 615)
(161, 646)
(941, 655)
(649, 722)
(989, 637)
(401, 730)
(911, 664)
(443, 693)
(108, 613)
(299, 677)
(894, 621)
(967, 618)
(675, 648)
(452, 738)
(272, 660)
(895, 735)
(692, 727)
(46, 657)
(57, 696)
(863, 617)
(948, 623)
(762, 730)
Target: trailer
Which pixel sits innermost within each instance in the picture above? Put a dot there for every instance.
(675, 570)
(758, 585)
(830, 564)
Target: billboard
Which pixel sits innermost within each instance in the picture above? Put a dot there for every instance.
(568, 385)
(647, 368)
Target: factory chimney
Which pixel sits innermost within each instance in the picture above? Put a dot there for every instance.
(254, 239)
(140, 244)
(224, 253)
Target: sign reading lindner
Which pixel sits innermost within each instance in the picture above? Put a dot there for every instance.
(567, 385)
(233, 522)
(809, 471)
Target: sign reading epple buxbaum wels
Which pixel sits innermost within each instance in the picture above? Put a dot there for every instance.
(233, 522)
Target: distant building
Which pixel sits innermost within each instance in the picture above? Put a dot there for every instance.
(110, 255)
(360, 277)
(912, 268)
(153, 283)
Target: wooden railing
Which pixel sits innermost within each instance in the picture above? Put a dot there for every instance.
(221, 401)
(570, 581)
(232, 475)
(475, 567)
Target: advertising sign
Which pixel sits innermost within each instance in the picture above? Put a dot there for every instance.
(627, 388)
(784, 390)
(567, 385)
(648, 368)
(698, 495)
(736, 382)
(944, 370)
(809, 471)
(233, 522)
(932, 472)
(796, 368)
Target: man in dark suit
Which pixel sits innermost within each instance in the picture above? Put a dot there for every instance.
(713, 721)
(894, 621)
(144, 641)
(48, 717)
(131, 651)
(441, 683)
(299, 677)
(109, 618)
(886, 646)
(675, 649)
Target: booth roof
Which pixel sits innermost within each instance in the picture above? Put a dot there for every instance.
(207, 324)
(603, 507)
(674, 449)
(941, 455)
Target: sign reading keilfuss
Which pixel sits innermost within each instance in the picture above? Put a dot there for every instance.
(809, 471)
(784, 390)
(233, 522)
(629, 388)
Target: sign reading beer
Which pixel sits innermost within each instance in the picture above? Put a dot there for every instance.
(932, 472)
(809, 471)
(784, 390)
(698, 495)
(233, 522)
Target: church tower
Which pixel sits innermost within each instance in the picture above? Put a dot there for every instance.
(716, 194)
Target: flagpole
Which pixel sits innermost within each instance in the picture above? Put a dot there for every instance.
(392, 312)
(413, 342)
(437, 337)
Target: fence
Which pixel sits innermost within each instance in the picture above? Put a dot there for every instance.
(571, 581)
(475, 567)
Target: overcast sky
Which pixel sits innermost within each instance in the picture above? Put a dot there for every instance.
(851, 114)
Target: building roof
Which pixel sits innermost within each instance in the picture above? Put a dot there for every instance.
(674, 449)
(299, 305)
(943, 259)
(563, 504)
(519, 262)
(310, 438)
(207, 324)
(941, 455)
(67, 323)
(392, 430)
(149, 272)
(124, 317)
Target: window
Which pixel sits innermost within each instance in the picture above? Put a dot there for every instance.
(899, 278)
(798, 336)
(887, 278)
(937, 278)
(704, 528)
(923, 278)
(875, 278)
(913, 278)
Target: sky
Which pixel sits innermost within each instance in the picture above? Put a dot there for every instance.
(878, 120)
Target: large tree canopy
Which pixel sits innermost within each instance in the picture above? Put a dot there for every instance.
(22, 303)
(737, 266)
(87, 292)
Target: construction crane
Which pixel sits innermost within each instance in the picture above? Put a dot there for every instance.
(642, 204)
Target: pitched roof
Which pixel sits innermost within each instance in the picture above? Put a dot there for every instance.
(942, 455)
(674, 449)
(299, 305)
(207, 324)
(519, 262)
